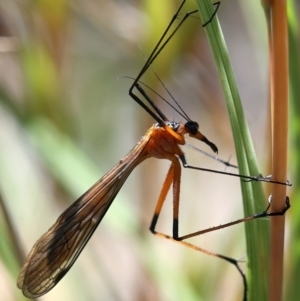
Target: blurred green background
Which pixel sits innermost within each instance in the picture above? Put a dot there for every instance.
(66, 119)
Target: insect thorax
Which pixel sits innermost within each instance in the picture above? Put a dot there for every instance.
(172, 124)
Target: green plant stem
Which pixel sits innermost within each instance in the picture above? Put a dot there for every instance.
(257, 232)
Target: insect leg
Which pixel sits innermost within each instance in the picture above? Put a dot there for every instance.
(173, 176)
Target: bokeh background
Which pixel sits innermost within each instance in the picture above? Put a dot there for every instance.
(66, 118)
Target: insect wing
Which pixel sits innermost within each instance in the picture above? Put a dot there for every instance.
(56, 251)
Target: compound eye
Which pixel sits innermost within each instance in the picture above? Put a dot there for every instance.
(192, 127)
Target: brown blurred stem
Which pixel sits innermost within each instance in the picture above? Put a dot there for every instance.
(278, 45)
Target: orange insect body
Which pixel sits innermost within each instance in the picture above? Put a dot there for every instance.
(55, 252)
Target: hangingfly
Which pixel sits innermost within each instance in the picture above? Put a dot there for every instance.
(56, 251)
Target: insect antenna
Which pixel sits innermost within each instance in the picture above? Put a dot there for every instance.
(141, 90)
(181, 112)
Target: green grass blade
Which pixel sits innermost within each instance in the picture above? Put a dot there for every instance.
(257, 232)
(293, 250)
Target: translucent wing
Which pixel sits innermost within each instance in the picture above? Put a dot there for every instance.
(56, 251)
